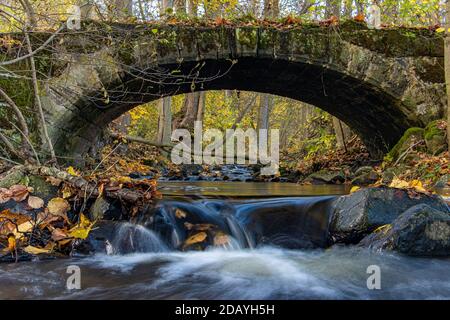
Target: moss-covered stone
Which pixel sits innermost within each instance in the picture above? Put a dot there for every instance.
(435, 138)
(412, 134)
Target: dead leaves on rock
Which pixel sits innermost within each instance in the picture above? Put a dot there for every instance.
(42, 228)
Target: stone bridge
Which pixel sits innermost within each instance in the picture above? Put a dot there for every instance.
(379, 82)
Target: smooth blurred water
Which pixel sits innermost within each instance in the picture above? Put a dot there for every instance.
(265, 273)
(142, 265)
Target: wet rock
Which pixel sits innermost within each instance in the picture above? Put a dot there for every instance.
(358, 214)
(325, 177)
(419, 231)
(365, 176)
(105, 209)
(103, 233)
(288, 224)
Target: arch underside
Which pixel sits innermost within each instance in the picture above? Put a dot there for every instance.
(372, 113)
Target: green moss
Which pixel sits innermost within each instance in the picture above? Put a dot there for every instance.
(247, 37)
(432, 130)
(395, 152)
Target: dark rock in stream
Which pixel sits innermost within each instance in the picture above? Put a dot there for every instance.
(419, 231)
(325, 177)
(365, 176)
(358, 214)
(288, 223)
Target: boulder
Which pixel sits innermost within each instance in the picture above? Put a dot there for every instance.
(365, 176)
(419, 231)
(443, 182)
(435, 137)
(107, 209)
(409, 138)
(326, 177)
(356, 215)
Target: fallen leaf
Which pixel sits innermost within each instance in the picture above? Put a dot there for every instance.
(180, 214)
(58, 207)
(417, 185)
(12, 245)
(35, 250)
(385, 228)
(399, 184)
(221, 239)
(82, 229)
(70, 170)
(58, 234)
(19, 192)
(354, 189)
(5, 195)
(196, 238)
(360, 17)
(35, 202)
(23, 228)
(54, 181)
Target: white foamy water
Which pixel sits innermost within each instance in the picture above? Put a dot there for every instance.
(266, 273)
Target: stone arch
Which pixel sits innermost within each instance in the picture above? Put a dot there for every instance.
(379, 82)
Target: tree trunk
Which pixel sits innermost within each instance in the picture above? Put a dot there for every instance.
(122, 9)
(180, 6)
(447, 69)
(333, 8)
(165, 120)
(265, 102)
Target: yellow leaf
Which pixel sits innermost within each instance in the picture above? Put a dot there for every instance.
(82, 229)
(385, 228)
(354, 189)
(399, 184)
(417, 185)
(11, 243)
(23, 228)
(196, 238)
(439, 30)
(180, 214)
(70, 170)
(34, 250)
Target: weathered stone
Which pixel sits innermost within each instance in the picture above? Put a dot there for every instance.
(358, 214)
(419, 231)
(379, 82)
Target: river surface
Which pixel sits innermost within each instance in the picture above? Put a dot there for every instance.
(143, 264)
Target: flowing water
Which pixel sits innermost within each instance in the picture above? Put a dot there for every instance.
(277, 235)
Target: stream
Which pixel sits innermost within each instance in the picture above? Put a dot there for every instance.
(143, 263)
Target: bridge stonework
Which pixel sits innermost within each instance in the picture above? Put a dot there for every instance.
(379, 82)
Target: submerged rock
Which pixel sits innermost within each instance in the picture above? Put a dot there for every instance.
(358, 214)
(419, 231)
